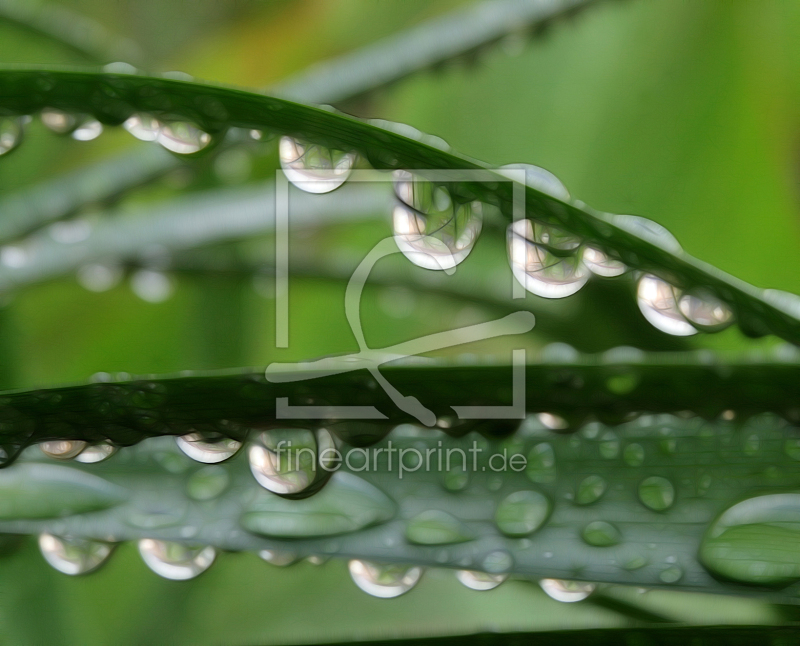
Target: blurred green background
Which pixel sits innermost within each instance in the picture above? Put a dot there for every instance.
(686, 113)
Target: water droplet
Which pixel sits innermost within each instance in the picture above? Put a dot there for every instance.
(609, 445)
(601, 534)
(289, 461)
(751, 444)
(456, 479)
(553, 422)
(207, 450)
(144, 127)
(57, 121)
(590, 490)
(705, 312)
(62, 449)
(656, 493)
(151, 286)
(633, 455)
(792, 448)
(542, 463)
(53, 491)
(434, 527)
(431, 229)
(98, 278)
(279, 558)
(671, 574)
(522, 513)
(96, 453)
(73, 555)
(648, 230)
(182, 138)
(566, 591)
(13, 257)
(384, 581)
(538, 269)
(176, 561)
(657, 300)
(88, 130)
(480, 580)
(497, 561)
(313, 168)
(207, 483)
(11, 132)
(600, 264)
(539, 179)
(347, 504)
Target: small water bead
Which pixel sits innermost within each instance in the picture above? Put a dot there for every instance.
(207, 483)
(480, 580)
(13, 257)
(207, 450)
(600, 264)
(522, 513)
(98, 278)
(601, 534)
(58, 121)
(539, 270)
(553, 422)
(590, 490)
(792, 448)
(313, 168)
(609, 445)
(542, 463)
(88, 130)
(705, 312)
(152, 286)
(648, 230)
(176, 561)
(144, 127)
(279, 558)
(182, 138)
(672, 574)
(11, 132)
(633, 455)
(657, 493)
(384, 581)
(658, 302)
(497, 562)
(566, 591)
(288, 461)
(538, 179)
(456, 479)
(62, 449)
(96, 453)
(434, 527)
(73, 556)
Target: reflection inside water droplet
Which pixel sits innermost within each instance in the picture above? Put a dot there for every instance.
(384, 581)
(566, 591)
(601, 265)
(705, 311)
(480, 580)
(73, 555)
(11, 132)
(657, 301)
(96, 453)
(176, 561)
(182, 138)
(62, 449)
(313, 168)
(205, 449)
(143, 126)
(288, 461)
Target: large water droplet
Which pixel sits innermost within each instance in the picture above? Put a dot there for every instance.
(657, 493)
(657, 300)
(143, 126)
(62, 449)
(434, 527)
(96, 453)
(542, 463)
(88, 130)
(207, 483)
(182, 138)
(176, 561)
(313, 168)
(73, 555)
(11, 132)
(600, 264)
(347, 504)
(279, 558)
(538, 269)
(431, 229)
(480, 580)
(590, 490)
(648, 230)
(705, 312)
(566, 591)
(384, 581)
(522, 513)
(207, 450)
(289, 461)
(539, 179)
(601, 534)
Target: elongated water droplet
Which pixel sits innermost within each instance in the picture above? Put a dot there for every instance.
(144, 127)
(566, 591)
(601, 534)
(96, 453)
(539, 179)
(88, 130)
(430, 228)
(590, 490)
(206, 449)
(289, 461)
(600, 264)
(207, 483)
(313, 168)
(657, 300)
(538, 269)
(62, 449)
(522, 513)
(542, 463)
(182, 138)
(434, 527)
(279, 558)
(58, 121)
(73, 556)
(480, 580)
(384, 581)
(11, 132)
(176, 561)
(651, 231)
(705, 312)
(657, 493)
